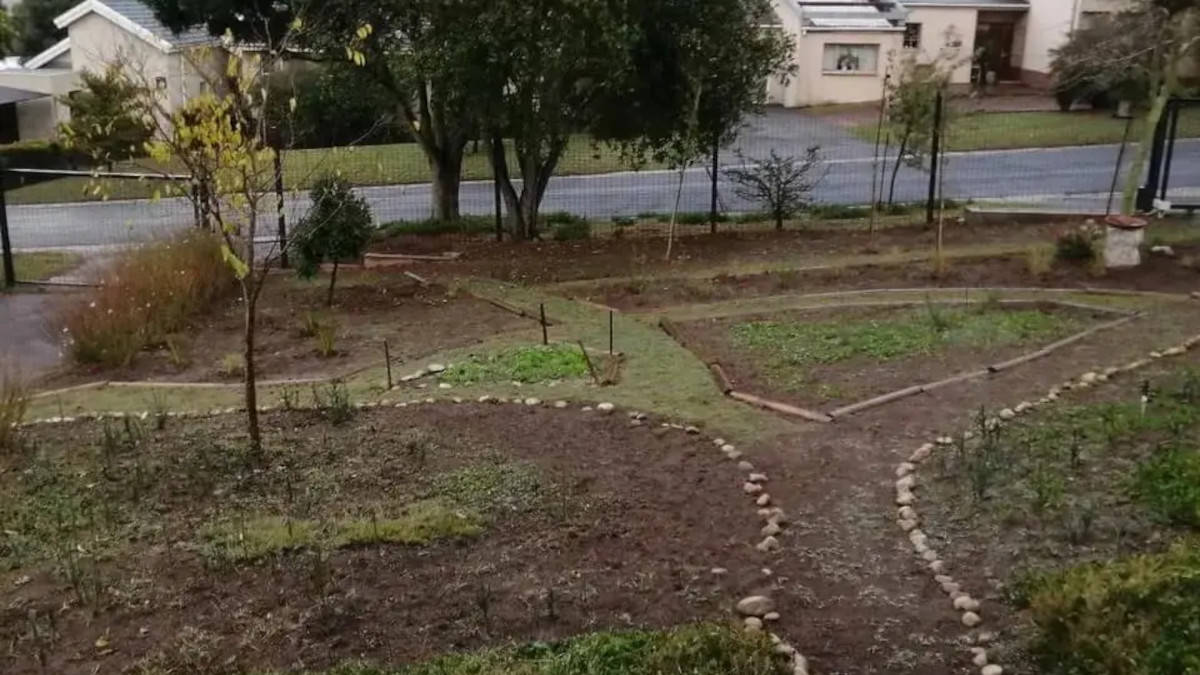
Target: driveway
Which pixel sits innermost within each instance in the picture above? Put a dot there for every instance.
(25, 339)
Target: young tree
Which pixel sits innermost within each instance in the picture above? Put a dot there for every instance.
(911, 100)
(782, 184)
(106, 118)
(33, 21)
(338, 227)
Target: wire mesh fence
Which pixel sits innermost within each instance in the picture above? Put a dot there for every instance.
(1006, 150)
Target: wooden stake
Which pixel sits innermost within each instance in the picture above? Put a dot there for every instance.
(545, 335)
(610, 333)
(588, 360)
(387, 360)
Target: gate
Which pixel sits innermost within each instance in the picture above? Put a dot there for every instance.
(1163, 157)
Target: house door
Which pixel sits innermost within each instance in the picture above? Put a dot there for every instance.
(993, 47)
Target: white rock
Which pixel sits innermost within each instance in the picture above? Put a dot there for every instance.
(733, 455)
(445, 385)
(907, 513)
(586, 408)
(971, 619)
(929, 555)
(767, 545)
(771, 616)
(986, 637)
(691, 430)
(763, 500)
(753, 624)
(758, 478)
(755, 605)
(485, 399)
(980, 658)
(799, 664)
(718, 442)
(777, 516)
(727, 448)
(917, 537)
(922, 453)
(457, 399)
(951, 588)
(1175, 351)
(533, 401)
(751, 488)
(904, 469)
(1007, 414)
(943, 579)
(745, 466)
(1156, 355)
(905, 498)
(945, 440)
(1196, 295)
(783, 649)
(906, 483)
(937, 566)
(560, 405)
(718, 571)
(992, 669)
(966, 603)
(771, 529)
(907, 524)
(1163, 250)
(606, 407)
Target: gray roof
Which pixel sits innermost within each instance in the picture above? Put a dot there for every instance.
(850, 14)
(1015, 4)
(139, 13)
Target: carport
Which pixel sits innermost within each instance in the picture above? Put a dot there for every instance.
(29, 101)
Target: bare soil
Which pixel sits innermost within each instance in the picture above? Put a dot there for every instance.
(544, 262)
(415, 320)
(627, 524)
(827, 386)
(1175, 275)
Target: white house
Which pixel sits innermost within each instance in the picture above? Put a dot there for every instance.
(100, 32)
(843, 46)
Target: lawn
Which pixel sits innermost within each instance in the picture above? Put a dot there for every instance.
(396, 164)
(43, 265)
(998, 131)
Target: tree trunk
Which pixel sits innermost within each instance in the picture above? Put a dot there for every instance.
(332, 282)
(896, 169)
(446, 170)
(1134, 180)
(283, 250)
(716, 167)
(779, 221)
(251, 301)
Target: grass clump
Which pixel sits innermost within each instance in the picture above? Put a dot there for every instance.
(568, 227)
(14, 403)
(147, 294)
(1079, 245)
(1136, 616)
(433, 226)
(491, 487)
(1169, 484)
(416, 524)
(702, 649)
(521, 364)
(799, 343)
(1039, 260)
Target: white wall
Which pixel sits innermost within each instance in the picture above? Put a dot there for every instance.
(811, 85)
(935, 22)
(1048, 24)
(39, 118)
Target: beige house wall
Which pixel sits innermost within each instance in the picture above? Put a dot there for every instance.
(939, 22)
(812, 85)
(39, 118)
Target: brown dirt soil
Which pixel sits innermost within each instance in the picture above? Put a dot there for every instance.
(828, 386)
(1178, 275)
(551, 261)
(368, 308)
(628, 523)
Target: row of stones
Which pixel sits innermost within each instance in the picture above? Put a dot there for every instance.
(757, 610)
(909, 520)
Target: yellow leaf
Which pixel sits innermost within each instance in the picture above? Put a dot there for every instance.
(101, 642)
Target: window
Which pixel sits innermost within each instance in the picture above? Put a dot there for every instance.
(912, 35)
(160, 82)
(862, 59)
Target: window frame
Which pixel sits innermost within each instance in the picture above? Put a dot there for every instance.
(912, 35)
(875, 47)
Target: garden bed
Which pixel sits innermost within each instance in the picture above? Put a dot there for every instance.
(824, 358)
(475, 525)
(299, 337)
(1179, 275)
(1076, 525)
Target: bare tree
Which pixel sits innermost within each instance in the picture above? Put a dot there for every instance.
(783, 185)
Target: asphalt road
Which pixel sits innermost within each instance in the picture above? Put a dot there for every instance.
(1036, 174)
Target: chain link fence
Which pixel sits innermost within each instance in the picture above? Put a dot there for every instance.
(1006, 151)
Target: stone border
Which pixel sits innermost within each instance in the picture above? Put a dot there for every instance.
(756, 611)
(909, 520)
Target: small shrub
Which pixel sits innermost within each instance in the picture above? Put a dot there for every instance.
(1136, 616)
(232, 364)
(464, 225)
(14, 403)
(337, 228)
(839, 212)
(146, 295)
(522, 364)
(780, 185)
(1080, 244)
(1169, 483)
(575, 230)
(333, 401)
(1039, 260)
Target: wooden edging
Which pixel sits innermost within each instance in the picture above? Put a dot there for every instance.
(991, 370)
(512, 309)
(780, 407)
(723, 381)
(69, 390)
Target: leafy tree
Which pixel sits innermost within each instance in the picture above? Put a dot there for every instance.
(1082, 75)
(34, 24)
(543, 66)
(336, 104)
(338, 227)
(698, 70)
(9, 38)
(107, 121)
(781, 184)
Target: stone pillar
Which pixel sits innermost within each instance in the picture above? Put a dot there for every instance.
(1123, 241)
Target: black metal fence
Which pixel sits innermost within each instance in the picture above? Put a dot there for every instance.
(1011, 150)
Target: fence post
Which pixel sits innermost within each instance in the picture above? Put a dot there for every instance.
(283, 255)
(935, 151)
(10, 272)
(1145, 193)
(1173, 110)
(716, 166)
